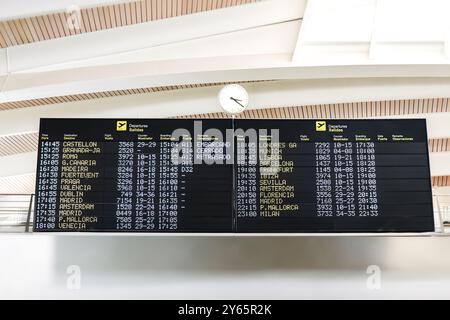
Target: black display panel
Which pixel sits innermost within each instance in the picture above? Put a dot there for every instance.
(224, 175)
(335, 176)
(118, 175)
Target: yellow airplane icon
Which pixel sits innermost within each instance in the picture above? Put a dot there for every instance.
(121, 125)
(321, 126)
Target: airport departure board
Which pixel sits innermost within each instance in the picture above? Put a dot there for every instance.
(233, 176)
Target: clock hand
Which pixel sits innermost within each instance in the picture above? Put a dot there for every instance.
(237, 101)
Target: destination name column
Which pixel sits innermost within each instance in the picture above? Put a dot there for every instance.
(78, 197)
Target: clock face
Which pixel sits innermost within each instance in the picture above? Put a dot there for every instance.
(233, 98)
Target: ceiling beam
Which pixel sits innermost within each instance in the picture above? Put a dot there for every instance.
(151, 34)
(182, 50)
(206, 70)
(278, 38)
(262, 95)
(78, 17)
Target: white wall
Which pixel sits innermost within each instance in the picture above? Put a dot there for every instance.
(34, 266)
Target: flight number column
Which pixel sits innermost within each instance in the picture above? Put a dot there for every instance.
(324, 195)
(125, 176)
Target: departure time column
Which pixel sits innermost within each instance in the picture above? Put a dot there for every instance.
(246, 178)
(47, 184)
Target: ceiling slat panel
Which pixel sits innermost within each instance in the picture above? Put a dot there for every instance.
(96, 95)
(18, 25)
(164, 8)
(13, 31)
(59, 25)
(4, 30)
(55, 25)
(88, 17)
(15, 144)
(133, 13)
(32, 29)
(72, 31)
(96, 15)
(441, 181)
(2, 40)
(439, 145)
(112, 17)
(42, 28)
(102, 17)
(51, 27)
(360, 109)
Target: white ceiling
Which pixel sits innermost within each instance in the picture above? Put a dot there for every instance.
(374, 32)
(318, 52)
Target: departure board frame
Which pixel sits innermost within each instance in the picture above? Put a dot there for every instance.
(427, 225)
